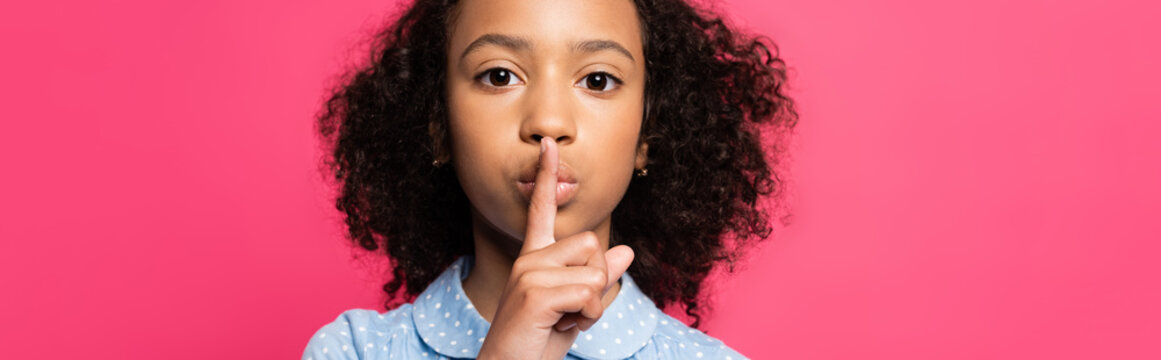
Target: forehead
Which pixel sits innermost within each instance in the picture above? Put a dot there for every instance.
(548, 23)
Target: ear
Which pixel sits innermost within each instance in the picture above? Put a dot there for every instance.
(438, 142)
(642, 156)
(643, 147)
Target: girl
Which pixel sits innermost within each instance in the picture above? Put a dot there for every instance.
(545, 174)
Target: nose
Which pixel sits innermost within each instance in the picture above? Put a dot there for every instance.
(549, 112)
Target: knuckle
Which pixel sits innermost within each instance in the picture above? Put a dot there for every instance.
(585, 292)
(523, 279)
(521, 265)
(598, 311)
(595, 277)
(589, 242)
(593, 307)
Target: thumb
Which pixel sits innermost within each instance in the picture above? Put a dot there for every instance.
(618, 259)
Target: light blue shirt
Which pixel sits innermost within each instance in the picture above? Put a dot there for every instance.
(443, 324)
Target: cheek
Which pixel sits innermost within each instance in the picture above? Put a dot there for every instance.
(476, 127)
(476, 155)
(479, 156)
(618, 132)
(616, 121)
(613, 153)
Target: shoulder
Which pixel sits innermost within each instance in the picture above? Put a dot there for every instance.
(674, 340)
(365, 334)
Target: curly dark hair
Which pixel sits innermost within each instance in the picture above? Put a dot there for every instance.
(716, 121)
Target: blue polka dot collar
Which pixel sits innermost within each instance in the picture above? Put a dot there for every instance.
(448, 323)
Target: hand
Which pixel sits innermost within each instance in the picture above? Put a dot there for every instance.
(555, 288)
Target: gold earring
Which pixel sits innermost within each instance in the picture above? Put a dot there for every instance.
(437, 163)
(641, 172)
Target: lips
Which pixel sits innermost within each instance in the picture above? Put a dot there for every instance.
(566, 183)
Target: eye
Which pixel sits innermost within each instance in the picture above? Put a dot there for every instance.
(599, 81)
(498, 77)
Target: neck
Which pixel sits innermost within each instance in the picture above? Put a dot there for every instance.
(495, 252)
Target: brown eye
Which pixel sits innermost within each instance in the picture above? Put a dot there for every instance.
(600, 81)
(498, 77)
(597, 81)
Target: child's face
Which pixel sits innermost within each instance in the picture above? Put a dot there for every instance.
(550, 64)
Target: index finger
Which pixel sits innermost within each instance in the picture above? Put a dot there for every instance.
(542, 207)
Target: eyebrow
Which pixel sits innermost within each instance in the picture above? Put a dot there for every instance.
(506, 41)
(591, 46)
(520, 43)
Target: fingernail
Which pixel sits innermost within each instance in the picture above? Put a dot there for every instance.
(543, 145)
(569, 326)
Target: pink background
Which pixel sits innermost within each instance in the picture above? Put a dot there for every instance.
(975, 180)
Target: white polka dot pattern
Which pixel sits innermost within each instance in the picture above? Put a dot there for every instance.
(443, 324)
